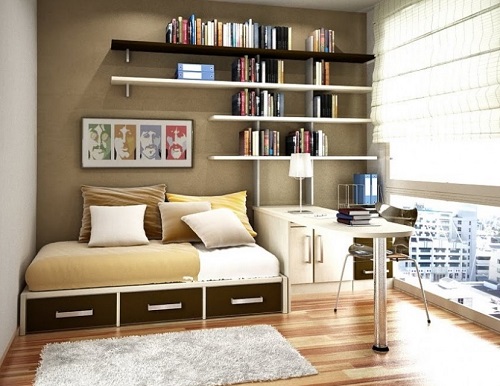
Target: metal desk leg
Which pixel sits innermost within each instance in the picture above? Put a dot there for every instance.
(380, 294)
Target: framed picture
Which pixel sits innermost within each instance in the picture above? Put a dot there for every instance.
(137, 143)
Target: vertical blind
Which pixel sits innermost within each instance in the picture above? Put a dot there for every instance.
(437, 70)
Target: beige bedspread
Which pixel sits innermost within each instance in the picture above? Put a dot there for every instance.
(70, 264)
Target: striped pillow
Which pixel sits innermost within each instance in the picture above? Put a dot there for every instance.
(237, 202)
(104, 196)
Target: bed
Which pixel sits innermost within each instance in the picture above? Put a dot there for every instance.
(201, 262)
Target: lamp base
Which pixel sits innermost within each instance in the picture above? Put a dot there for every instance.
(298, 211)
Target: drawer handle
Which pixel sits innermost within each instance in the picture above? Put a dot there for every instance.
(260, 299)
(73, 314)
(162, 307)
(371, 272)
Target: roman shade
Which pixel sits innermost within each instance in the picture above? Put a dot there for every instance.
(436, 74)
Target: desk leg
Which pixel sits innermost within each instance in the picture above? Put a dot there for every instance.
(380, 294)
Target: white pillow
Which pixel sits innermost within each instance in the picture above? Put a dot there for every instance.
(218, 228)
(117, 226)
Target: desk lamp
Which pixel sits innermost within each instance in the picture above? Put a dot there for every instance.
(300, 168)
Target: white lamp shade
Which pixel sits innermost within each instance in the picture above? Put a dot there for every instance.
(300, 165)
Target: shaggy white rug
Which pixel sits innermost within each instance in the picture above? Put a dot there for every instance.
(220, 356)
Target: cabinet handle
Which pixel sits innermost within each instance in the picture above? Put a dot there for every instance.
(319, 249)
(73, 314)
(162, 307)
(308, 250)
(371, 272)
(259, 299)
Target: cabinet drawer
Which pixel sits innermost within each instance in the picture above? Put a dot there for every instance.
(70, 312)
(243, 299)
(157, 306)
(363, 269)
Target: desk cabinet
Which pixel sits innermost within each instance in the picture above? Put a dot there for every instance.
(307, 254)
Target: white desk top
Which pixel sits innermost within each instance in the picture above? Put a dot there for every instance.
(322, 218)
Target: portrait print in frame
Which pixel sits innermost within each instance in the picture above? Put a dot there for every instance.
(136, 143)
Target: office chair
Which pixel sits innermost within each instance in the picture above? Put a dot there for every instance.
(397, 250)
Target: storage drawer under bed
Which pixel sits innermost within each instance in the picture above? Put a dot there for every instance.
(243, 299)
(157, 306)
(70, 312)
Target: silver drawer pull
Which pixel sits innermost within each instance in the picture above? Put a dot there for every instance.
(371, 272)
(260, 299)
(162, 307)
(74, 314)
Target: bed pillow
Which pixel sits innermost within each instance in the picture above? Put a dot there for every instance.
(117, 226)
(103, 196)
(218, 228)
(234, 201)
(174, 230)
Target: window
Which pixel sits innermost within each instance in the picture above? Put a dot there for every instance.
(436, 115)
(445, 251)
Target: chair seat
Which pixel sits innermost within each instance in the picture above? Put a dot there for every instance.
(366, 252)
(361, 251)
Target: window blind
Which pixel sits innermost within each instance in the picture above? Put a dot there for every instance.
(437, 70)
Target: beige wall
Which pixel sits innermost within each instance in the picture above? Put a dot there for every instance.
(17, 156)
(75, 65)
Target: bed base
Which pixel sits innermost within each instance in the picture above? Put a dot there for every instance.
(117, 306)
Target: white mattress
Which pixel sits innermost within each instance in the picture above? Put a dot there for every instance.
(243, 262)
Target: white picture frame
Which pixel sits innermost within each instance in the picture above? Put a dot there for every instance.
(133, 143)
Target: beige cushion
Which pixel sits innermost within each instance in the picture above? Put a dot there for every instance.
(117, 226)
(174, 230)
(237, 202)
(218, 228)
(103, 196)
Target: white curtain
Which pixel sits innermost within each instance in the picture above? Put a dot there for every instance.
(437, 70)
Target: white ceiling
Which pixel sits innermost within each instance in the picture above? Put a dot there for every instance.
(331, 5)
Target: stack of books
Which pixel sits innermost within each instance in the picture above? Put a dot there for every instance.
(191, 71)
(354, 216)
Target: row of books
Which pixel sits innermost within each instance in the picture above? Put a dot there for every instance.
(258, 103)
(321, 73)
(321, 40)
(259, 142)
(325, 106)
(250, 34)
(267, 142)
(245, 69)
(365, 188)
(305, 141)
(355, 216)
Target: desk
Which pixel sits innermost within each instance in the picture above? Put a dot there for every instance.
(325, 220)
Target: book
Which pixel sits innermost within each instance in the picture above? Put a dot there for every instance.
(195, 67)
(366, 216)
(195, 75)
(353, 222)
(354, 211)
(374, 188)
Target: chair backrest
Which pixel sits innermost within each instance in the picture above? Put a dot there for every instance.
(400, 216)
